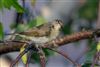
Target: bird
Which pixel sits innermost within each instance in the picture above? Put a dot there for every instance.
(40, 35)
(43, 33)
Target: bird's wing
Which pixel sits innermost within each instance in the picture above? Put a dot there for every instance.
(39, 31)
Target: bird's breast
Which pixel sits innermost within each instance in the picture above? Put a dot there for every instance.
(40, 39)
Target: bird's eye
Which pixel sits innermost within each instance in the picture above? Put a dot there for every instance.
(52, 26)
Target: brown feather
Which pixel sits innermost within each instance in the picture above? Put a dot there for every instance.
(39, 31)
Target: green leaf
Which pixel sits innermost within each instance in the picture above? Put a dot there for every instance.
(24, 57)
(40, 20)
(22, 27)
(17, 6)
(90, 54)
(67, 28)
(48, 52)
(98, 46)
(1, 4)
(13, 25)
(32, 23)
(37, 22)
(6, 4)
(87, 64)
(1, 31)
(11, 3)
(89, 10)
(35, 57)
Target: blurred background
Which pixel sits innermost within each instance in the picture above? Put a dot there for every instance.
(77, 15)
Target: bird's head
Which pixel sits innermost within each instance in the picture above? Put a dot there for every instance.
(57, 25)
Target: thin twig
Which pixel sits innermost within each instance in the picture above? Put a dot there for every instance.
(18, 58)
(66, 56)
(42, 58)
(95, 58)
(42, 61)
(82, 54)
(29, 58)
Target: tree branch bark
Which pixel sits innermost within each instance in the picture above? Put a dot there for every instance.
(10, 46)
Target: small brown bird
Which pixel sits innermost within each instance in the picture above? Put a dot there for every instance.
(42, 33)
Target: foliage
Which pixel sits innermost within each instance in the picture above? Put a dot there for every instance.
(88, 65)
(90, 54)
(98, 46)
(39, 20)
(24, 57)
(89, 10)
(67, 27)
(32, 23)
(11, 3)
(1, 31)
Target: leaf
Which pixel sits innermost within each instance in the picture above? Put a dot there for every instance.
(18, 8)
(6, 4)
(24, 57)
(86, 64)
(98, 46)
(48, 52)
(67, 27)
(32, 23)
(40, 20)
(35, 57)
(90, 54)
(89, 10)
(1, 31)
(22, 27)
(1, 4)
(11, 3)
(37, 22)
(13, 25)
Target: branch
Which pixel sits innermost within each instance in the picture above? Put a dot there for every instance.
(10, 46)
